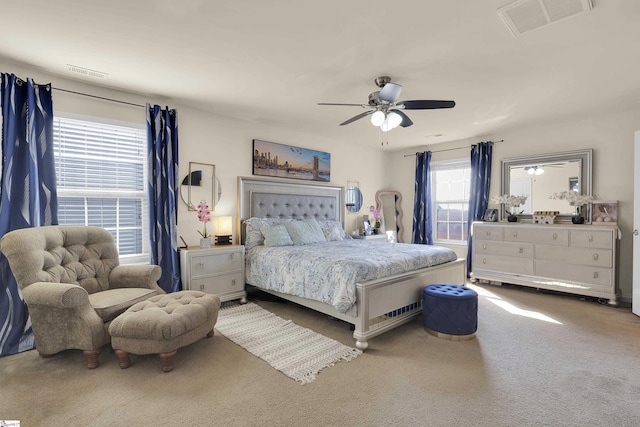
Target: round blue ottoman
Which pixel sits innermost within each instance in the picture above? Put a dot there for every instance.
(450, 311)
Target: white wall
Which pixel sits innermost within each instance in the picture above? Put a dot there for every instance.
(609, 134)
(225, 142)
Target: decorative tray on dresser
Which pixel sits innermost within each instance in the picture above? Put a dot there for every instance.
(576, 259)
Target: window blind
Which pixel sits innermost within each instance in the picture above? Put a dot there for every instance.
(101, 176)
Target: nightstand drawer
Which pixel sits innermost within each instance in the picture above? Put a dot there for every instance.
(204, 265)
(219, 284)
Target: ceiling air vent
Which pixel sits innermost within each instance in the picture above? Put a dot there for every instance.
(86, 72)
(523, 16)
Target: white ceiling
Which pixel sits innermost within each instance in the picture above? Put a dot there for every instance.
(271, 62)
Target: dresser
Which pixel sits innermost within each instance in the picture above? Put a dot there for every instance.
(577, 259)
(216, 270)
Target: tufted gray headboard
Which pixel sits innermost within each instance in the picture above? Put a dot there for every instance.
(284, 199)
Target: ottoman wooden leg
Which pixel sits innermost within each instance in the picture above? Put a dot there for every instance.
(92, 358)
(123, 356)
(167, 361)
(210, 334)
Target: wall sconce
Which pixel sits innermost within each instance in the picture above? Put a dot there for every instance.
(224, 230)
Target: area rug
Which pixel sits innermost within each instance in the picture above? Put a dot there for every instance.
(297, 352)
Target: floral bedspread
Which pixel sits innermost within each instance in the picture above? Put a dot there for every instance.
(328, 272)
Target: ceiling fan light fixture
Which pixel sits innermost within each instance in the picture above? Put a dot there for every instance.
(394, 119)
(386, 126)
(539, 171)
(377, 118)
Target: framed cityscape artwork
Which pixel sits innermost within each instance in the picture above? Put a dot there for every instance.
(287, 161)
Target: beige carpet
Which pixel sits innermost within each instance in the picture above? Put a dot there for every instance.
(538, 359)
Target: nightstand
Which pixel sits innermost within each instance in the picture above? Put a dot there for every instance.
(373, 237)
(216, 270)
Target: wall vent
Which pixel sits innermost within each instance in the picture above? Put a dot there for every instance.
(86, 72)
(523, 16)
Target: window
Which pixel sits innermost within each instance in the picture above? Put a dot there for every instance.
(101, 178)
(451, 182)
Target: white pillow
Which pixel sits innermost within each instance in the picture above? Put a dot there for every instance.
(332, 230)
(305, 232)
(276, 235)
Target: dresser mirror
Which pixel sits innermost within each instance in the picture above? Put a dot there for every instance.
(540, 176)
(353, 197)
(199, 185)
(389, 204)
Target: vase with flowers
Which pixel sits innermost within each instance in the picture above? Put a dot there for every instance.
(511, 205)
(576, 200)
(376, 217)
(204, 216)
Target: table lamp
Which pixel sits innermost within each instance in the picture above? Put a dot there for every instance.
(224, 230)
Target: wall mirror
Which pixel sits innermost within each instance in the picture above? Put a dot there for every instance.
(538, 177)
(200, 184)
(388, 203)
(353, 197)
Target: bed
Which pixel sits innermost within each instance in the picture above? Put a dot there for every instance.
(377, 302)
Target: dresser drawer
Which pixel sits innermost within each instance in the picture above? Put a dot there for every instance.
(219, 284)
(587, 257)
(203, 265)
(487, 232)
(592, 239)
(520, 266)
(545, 235)
(600, 278)
(487, 247)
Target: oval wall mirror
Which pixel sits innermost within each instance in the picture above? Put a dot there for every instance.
(353, 198)
(199, 185)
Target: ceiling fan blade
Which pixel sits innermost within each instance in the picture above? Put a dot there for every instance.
(406, 121)
(390, 92)
(425, 104)
(358, 117)
(348, 105)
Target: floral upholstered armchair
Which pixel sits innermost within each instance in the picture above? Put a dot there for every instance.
(73, 285)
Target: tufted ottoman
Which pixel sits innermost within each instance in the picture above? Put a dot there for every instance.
(450, 311)
(162, 324)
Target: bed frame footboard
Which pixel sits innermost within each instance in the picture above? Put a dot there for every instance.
(387, 303)
(390, 302)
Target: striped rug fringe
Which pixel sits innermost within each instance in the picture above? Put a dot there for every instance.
(297, 352)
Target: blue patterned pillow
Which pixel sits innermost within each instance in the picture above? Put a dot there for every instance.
(305, 232)
(276, 235)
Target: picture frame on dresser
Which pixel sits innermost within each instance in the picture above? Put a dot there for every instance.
(490, 215)
(604, 212)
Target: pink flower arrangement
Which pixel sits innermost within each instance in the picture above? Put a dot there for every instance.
(376, 215)
(204, 216)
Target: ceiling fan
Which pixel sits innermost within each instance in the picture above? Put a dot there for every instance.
(385, 109)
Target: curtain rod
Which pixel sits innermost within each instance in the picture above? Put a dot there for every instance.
(449, 149)
(99, 97)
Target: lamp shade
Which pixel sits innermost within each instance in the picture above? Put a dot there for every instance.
(394, 119)
(377, 118)
(224, 226)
